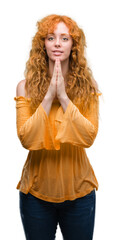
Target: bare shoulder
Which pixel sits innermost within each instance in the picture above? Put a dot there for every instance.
(20, 89)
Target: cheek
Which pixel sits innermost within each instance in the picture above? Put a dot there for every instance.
(68, 50)
(68, 47)
(47, 45)
(47, 48)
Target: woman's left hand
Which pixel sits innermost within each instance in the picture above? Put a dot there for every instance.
(60, 82)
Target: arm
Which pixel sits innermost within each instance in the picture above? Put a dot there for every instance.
(46, 103)
(64, 102)
(79, 129)
(33, 129)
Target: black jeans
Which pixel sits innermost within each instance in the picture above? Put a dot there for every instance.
(75, 218)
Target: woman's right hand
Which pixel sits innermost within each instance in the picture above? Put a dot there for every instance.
(52, 87)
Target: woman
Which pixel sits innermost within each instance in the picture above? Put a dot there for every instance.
(57, 107)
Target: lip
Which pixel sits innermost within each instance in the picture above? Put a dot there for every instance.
(57, 51)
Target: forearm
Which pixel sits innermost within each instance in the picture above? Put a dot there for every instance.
(64, 102)
(33, 129)
(77, 129)
(47, 103)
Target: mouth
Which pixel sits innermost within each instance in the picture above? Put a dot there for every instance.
(57, 52)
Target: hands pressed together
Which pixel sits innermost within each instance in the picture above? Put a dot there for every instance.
(57, 84)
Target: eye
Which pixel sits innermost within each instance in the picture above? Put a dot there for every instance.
(65, 38)
(50, 38)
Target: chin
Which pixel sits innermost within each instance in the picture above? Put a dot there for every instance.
(60, 58)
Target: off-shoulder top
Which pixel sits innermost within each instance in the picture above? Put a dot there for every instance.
(57, 167)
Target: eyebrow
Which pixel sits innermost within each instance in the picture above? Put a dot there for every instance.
(60, 34)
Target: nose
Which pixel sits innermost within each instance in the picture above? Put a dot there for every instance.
(57, 43)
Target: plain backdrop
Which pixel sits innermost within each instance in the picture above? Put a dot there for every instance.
(17, 28)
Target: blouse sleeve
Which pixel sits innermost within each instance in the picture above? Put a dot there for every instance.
(79, 129)
(33, 130)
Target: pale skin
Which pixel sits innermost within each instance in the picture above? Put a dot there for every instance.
(56, 88)
(58, 66)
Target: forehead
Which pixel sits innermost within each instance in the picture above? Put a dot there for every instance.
(60, 28)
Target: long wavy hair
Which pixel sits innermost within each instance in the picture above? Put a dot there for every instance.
(81, 85)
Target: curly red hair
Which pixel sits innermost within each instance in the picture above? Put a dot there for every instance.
(81, 86)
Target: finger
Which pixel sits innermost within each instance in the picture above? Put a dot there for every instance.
(55, 70)
(59, 69)
(57, 65)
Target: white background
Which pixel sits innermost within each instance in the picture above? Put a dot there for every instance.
(17, 27)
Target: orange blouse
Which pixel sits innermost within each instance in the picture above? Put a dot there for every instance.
(57, 167)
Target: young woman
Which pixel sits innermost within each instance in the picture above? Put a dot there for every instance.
(57, 107)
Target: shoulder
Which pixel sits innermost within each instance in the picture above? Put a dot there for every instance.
(20, 88)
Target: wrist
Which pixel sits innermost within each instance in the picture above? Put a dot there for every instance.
(48, 97)
(47, 103)
(64, 100)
